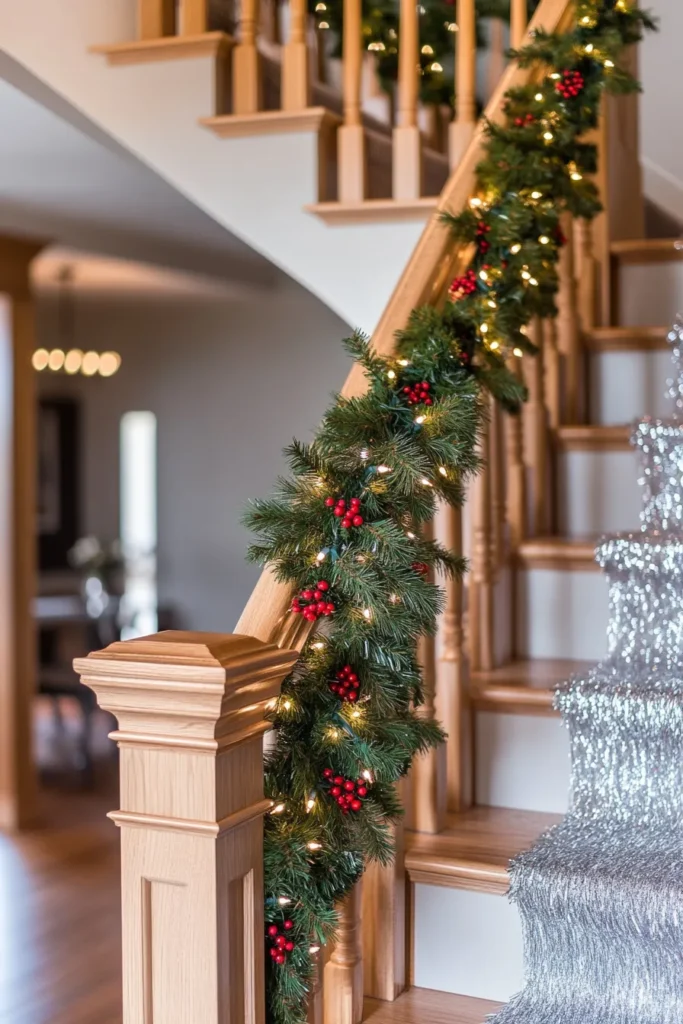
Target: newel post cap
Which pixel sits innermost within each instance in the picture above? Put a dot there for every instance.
(196, 686)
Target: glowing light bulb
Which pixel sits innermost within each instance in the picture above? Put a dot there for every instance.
(492, 304)
(391, 375)
(278, 809)
(91, 364)
(355, 714)
(367, 613)
(484, 328)
(310, 804)
(435, 66)
(538, 97)
(427, 50)
(40, 359)
(420, 419)
(284, 901)
(321, 556)
(609, 63)
(56, 359)
(286, 704)
(536, 195)
(526, 276)
(548, 136)
(544, 239)
(410, 536)
(404, 362)
(319, 645)
(533, 282)
(517, 352)
(74, 361)
(494, 345)
(314, 846)
(483, 275)
(514, 249)
(367, 775)
(475, 201)
(575, 176)
(313, 949)
(588, 48)
(384, 469)
(425, 482)
(109, 363)
(443, 471)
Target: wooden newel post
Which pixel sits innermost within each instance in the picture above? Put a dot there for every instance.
(190, 708)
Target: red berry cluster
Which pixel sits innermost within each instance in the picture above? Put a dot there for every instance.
(570, 85)
(280, 944)
(520, 122)
(312, 604)
(482, 231)
(417, 394)
(462, 286)
(348, 794)
(349, 514)
(346, 684)
(421, 567)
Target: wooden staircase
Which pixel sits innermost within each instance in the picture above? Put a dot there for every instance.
(532, 613)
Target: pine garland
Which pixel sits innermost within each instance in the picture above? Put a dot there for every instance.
(344, 530)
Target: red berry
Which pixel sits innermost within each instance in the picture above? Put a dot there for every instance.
(341, 801)
(323, 585)
(273, 952)
(307, 595)
(328, 773)
(353, 695)
(335, 791)
(349, 786)
(330, 502)
(272, 930)
(280, 958)
(356, 805)
(346, 524)
(357, 520)
(355, 502)
(339, 512)
(289, 946)
(317, 594)
(341, 502)
(288, 925)
(280, 942)
(362, 791)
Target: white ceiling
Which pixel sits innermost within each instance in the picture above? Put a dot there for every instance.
(62, 179)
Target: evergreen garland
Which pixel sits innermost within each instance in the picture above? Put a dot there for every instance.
(344, 530)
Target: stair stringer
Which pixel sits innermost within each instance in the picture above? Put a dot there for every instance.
(256, 187)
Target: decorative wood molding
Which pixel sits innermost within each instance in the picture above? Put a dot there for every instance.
(647, 250)
(271, 122)
(146, 51)
(374, 211)
(191, 709)
(474, 851)
(626, 339)
(523, 687)
(557, 553)
(422, 1006)
(593, 438)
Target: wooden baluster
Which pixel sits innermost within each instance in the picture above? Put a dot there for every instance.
(462, 127)
(586, 274)
(384, 922)
(351, 136)
(537, 429)
(156, 18)
(194, 17)
(295, 78)
(451, 675)
(497, 489)
(481, 582)
(553, 378)
(316, 1004)
(246, 71)
(191, 713)
(429, 770)
(568, 335)
(344, 969)
(495, 55)
(18, 529)
(518, 22)
(407, 147)
(270, 20)
(516, 507)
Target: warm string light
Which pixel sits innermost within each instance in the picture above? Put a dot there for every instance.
(104, 364)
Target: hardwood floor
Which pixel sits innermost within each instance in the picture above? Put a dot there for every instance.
(60, 927)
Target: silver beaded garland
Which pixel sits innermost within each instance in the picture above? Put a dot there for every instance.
(601, 895)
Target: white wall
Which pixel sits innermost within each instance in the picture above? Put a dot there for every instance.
(230, 383)
(661, 137)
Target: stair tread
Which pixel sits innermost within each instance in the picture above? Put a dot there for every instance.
(474, 850)
(626, 339)
(424, 1006)
(523, 687)
(559, 553)
(592, 437)
(646, 250)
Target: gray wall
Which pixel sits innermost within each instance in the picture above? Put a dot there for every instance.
(230, 383)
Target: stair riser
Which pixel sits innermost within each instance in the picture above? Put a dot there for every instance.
(597, 492)
(625, 386)
(649, 293)
(521, 761)
(561, 613)
(466, 942)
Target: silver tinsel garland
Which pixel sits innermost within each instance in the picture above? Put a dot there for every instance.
(601, 894)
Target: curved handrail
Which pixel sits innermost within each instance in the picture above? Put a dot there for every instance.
(424, 280)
